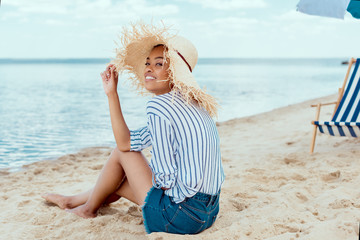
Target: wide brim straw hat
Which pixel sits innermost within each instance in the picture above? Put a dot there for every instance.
(136, 43)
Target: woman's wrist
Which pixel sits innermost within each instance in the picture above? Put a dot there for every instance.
(112, 94)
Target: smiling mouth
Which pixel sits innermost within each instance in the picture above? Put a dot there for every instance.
(149, 78)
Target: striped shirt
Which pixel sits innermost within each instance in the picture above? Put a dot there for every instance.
(185, 147)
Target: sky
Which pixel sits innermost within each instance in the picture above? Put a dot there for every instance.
(218, 28)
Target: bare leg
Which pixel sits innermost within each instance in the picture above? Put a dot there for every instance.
(67, 201)
(135, 189)
(139, 178)
(126, 192)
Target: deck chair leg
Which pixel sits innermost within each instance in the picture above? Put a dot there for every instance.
(312, 146)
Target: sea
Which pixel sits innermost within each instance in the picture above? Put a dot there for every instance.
(53, 107)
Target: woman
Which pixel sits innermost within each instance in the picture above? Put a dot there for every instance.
(179, 188)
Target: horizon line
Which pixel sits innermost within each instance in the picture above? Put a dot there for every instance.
(202, 60)
(103, 58)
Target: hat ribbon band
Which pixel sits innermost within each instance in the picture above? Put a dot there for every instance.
(184, 60)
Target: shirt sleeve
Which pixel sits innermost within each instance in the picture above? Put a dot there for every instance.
(139, 139)
(163, 162)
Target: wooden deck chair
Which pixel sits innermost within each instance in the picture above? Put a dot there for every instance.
(346, 118)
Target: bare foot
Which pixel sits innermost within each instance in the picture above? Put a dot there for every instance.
(82, 211)
(61, 201)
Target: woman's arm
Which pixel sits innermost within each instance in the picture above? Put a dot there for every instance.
(120, 129)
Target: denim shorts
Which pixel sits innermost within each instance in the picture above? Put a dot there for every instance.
(191, 216)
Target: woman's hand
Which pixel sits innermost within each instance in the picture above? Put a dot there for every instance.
(110, 80)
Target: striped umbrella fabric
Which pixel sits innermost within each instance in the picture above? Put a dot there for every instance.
(346, 120)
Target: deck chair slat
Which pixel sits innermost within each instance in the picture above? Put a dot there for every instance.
(348, 99)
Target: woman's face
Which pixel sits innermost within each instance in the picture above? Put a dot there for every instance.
(156, 72)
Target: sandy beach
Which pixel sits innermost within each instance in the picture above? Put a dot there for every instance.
(274, 189)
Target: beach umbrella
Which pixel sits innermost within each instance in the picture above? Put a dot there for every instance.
(330, 8)
(354, 8)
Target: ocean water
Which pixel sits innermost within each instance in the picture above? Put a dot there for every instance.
(49, 108)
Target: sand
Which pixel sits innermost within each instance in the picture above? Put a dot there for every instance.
(274, 189)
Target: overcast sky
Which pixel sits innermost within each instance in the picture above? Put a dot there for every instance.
(219, 28)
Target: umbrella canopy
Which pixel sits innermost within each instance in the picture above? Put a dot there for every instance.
(330, 8)
(354, 8)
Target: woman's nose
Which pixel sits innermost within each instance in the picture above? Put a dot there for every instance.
(148, 68)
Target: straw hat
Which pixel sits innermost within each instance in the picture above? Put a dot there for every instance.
(136, 45)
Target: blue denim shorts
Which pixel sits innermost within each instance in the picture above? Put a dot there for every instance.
(191, 216)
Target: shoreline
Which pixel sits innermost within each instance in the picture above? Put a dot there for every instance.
(23, 167)
(274, 189)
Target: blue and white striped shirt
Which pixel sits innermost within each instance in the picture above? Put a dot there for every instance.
(185, 147)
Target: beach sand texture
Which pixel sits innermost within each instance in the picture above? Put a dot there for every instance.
(274, 189)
